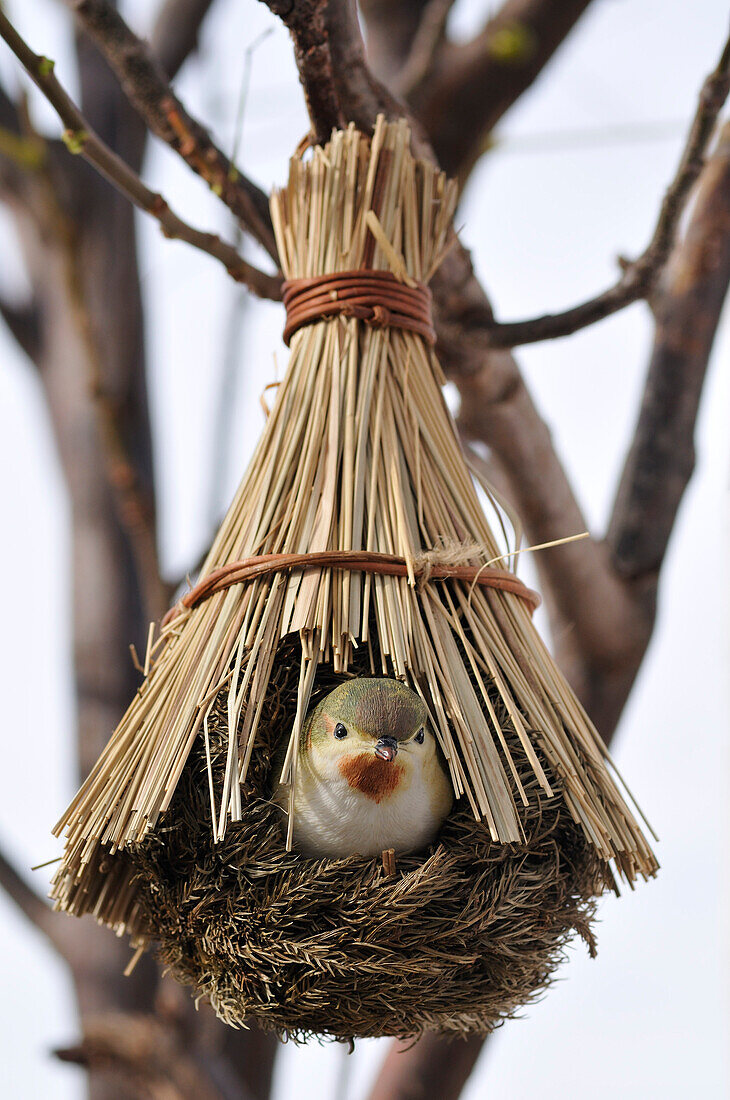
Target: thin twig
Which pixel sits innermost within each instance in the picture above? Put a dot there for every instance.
(424, 49)
(230, 369)
(360, 96)
(131, 493)
(640, 276)
(145, 84)
(81, 138)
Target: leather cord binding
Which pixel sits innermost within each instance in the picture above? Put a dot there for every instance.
(376, 297)
(363, 561)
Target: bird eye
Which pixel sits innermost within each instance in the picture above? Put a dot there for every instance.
(340, 731)
(420, 736)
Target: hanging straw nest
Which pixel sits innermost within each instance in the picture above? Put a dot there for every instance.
(175, 837)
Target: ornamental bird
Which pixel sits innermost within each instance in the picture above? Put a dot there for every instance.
(369, 774)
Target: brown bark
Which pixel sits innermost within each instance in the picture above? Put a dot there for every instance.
(686, 307)
(144, 1056)
(463, 90)
(432, 1067)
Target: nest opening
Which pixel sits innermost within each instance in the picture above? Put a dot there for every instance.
(461, 937)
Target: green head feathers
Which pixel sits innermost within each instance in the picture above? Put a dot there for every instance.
(371, 707)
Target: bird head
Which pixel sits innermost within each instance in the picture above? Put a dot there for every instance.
(373, 733)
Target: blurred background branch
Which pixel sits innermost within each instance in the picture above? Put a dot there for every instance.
(144, 83)
(460, 91)
(176, 32)
(80, 139)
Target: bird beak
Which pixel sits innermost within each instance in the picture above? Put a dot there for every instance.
(386, 748)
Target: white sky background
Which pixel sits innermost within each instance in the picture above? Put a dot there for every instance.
(650, 1016)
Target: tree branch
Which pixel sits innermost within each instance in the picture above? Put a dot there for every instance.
(686, 305)
(81, 138)
(476, 83)
(149, 1056)
(639, 276)
(601, 596)
(427, 41)
(148, 90)
(306, 22)
(392, 27)
(8, 112)
(432, 1067)
(461, 91)
(176, 31)
(584, 598)
(240, 1061)
(361, 97)
(34, 908)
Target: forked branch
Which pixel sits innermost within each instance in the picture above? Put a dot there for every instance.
(640, 276)
(459, 91)
(687, 304)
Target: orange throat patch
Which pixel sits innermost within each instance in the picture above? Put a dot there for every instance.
(375, 778)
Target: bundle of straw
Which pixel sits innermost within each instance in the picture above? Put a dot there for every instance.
(358, 454)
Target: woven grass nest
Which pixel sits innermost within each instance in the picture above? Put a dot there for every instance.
(356, 545)
(456, 941)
